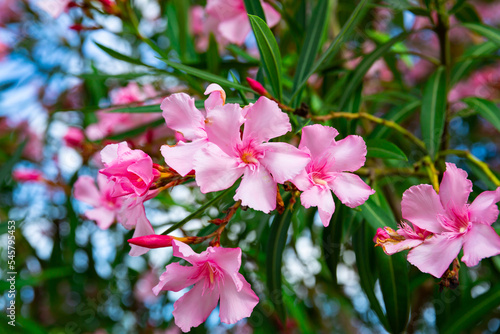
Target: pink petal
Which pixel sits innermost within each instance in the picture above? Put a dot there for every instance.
(484, 209)
(318, 139)
(195, 306)
(181, 115)
(236, 304)
(421, 206)
(480, 242)
(350, 189)
(217, 97)
(455, 188)
(102, 216)
(142, 227)
(273, 17)
(435, 254)
(86, 191)
(302, 181)
(265, 120)
(110, 152)
(283, 160)
(177, 277)
(235, 29)
(215, 170)
(393, 248)
(349, 154)
(223, 9)
(223, 126)
(185, 252)
(180, 156)
(229, 259)
(257, 190)
(323, 199)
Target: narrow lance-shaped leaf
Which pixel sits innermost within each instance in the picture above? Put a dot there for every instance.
(254, 7)
(490, 33)
(275, 246)
(433, 113)
(384, 149)
(334, 47)
(397, 115)
(119, 56)
(486, 109)
(469, 58)
(363, 67)
(311, 46)
(269, 53)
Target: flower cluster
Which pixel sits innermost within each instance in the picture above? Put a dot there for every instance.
(444, 224)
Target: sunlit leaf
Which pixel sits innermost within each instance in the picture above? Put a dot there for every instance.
(486, 109)
(384, 149)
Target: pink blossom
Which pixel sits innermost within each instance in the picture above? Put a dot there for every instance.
(153, 241)
(10, 11)
(53, 7)
(233, 23)
(405, 237)
(131, 170)
(215, 276)
(106, 207)
(74, 137)
(454, 222)
(27, 174)
(326, 172)
(182, 116)
(229, 155)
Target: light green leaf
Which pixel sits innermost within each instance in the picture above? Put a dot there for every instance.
(384, 149)
(119, 56)
(433, 113)
(375, 215)
(269, 53)
(490, 33)
(486, 109)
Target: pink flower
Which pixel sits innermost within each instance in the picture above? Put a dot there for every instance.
(106, 207)
(53, 7)
(232, 17)
(215, 276)
(454, 222)
(405, 237)
(25, 174)
(330, 160)
(74, 137)
(182, 116)
(131, 170)
(229, 155)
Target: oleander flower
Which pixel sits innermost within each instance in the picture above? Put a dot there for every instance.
(27, 174)
(454, 223)
(131, 170)
(74, 137)
(182, 116)
(405, 237)
(228, 155)
(214, 274)
(326, 172)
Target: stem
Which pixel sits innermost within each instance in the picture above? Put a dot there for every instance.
(375, 119)
(432, 172)
(480, 164)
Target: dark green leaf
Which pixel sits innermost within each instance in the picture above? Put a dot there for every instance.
(209, 77)
(312, 44)
(275, 246)
(358, 74)
(119, 56)
(138, 109)
(467, 13)
(490, 33)
(433, 113)
(6, 169)
(381, 148)
(136, 131)
(486, 109)
(332, 238)
(463, 67)
(375, 215)
(466, 316)
(397, 115)
(339, 40)
(269, 53)
(254, 7)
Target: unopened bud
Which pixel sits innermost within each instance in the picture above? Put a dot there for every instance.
(257, 87)
(159, 241)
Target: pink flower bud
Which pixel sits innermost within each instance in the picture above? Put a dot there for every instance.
(257, 87)
(152, 241)
(74, 137)
(24, 175)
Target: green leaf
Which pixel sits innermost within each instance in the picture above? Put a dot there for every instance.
(467, 13)
(339, 40)
(490, 33)
(269, 53)
(136, 131)
(375, 215)
(240, 93)
(138, 109)
(254, 7)
(463, 67)
(6, 169)
(332, 238)
(363, 246)
(119, 56)
(486, 109)
(205, 75)
(397, 115)
(384, 149)
(433, 113)
(467, 315)
(363, 67)
(312, 44)
(275, 246)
